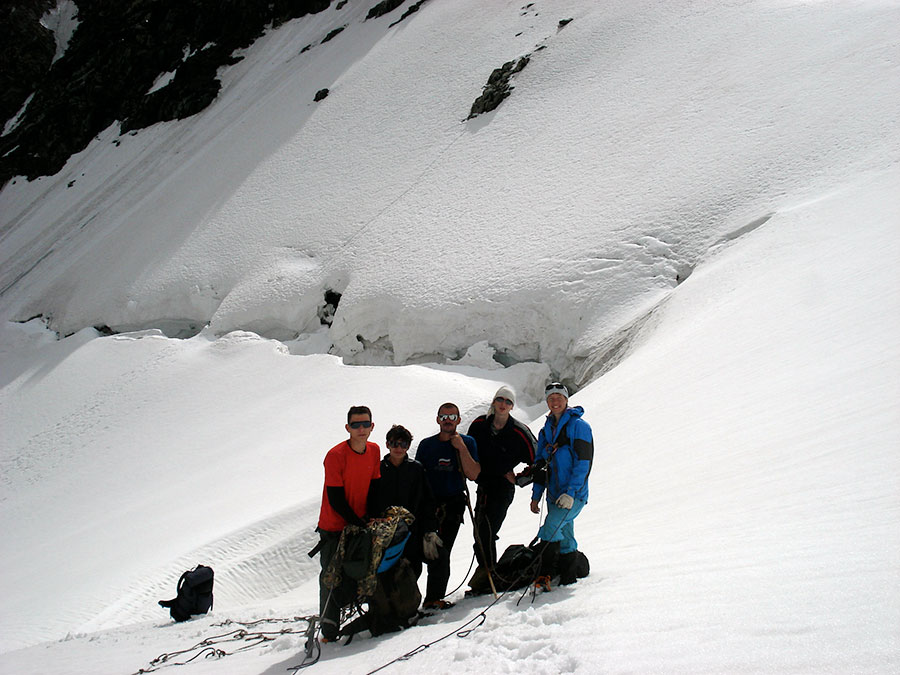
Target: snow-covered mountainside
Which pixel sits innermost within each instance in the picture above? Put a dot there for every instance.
(688, 211)
(636, 138)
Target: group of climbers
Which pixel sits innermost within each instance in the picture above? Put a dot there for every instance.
(433, 492)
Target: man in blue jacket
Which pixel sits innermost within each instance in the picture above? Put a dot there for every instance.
(449, 459)
(566, 444)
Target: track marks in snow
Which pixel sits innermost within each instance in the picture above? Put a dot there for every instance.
(75, 429)
(260, 562)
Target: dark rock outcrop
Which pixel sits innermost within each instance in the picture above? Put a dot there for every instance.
(333, 34)
(112, 61)
(497, 87)
(382, 8)
(26, 52)
(410, 11)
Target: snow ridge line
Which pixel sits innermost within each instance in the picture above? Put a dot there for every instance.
(614, 349)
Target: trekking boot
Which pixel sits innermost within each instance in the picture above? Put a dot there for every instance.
(567, 568)
(479, 580)
(549, 554)
(542, 583)
(329, 631)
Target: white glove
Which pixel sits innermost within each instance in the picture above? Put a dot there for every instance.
(430, 543)
(565, 502)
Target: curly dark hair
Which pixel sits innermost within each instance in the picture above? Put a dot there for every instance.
(398, 433)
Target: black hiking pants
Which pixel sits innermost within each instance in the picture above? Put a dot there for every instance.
(491, 504)
(450, 517)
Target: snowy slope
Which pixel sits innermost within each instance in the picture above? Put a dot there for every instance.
(704, 197)
(744, 505)
(637, 137)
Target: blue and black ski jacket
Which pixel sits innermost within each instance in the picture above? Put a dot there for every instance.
(568, 449)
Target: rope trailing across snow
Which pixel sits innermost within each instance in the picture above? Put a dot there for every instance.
(461, 632)
(210, 648)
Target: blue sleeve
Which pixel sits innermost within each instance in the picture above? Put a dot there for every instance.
(541, 446)
(583, 457)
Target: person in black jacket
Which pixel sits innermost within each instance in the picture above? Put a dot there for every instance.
(503, 443)
(403, 484)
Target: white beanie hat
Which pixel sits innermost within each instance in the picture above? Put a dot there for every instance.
(503, 392)
(506, 392)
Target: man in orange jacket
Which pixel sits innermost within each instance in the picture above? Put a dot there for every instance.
(350, 469)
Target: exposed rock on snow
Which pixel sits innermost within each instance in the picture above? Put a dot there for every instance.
(498, 87)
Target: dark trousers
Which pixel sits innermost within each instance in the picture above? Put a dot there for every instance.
(450, 517)
(413, 552)
(491, 504)
(330, 601)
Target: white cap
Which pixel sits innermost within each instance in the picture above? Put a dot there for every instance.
(556, 388)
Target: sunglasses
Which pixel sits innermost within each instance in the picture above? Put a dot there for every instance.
(357, 425)
(399, 444)
(452, 417)
(500, 399)
(553, 385)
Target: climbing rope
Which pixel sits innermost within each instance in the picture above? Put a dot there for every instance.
(211, 647)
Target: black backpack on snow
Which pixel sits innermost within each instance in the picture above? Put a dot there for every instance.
(195, 594)
(519, 566)
(394, 606)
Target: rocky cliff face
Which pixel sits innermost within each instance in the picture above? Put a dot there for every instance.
(26, 52)
(115, 56)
